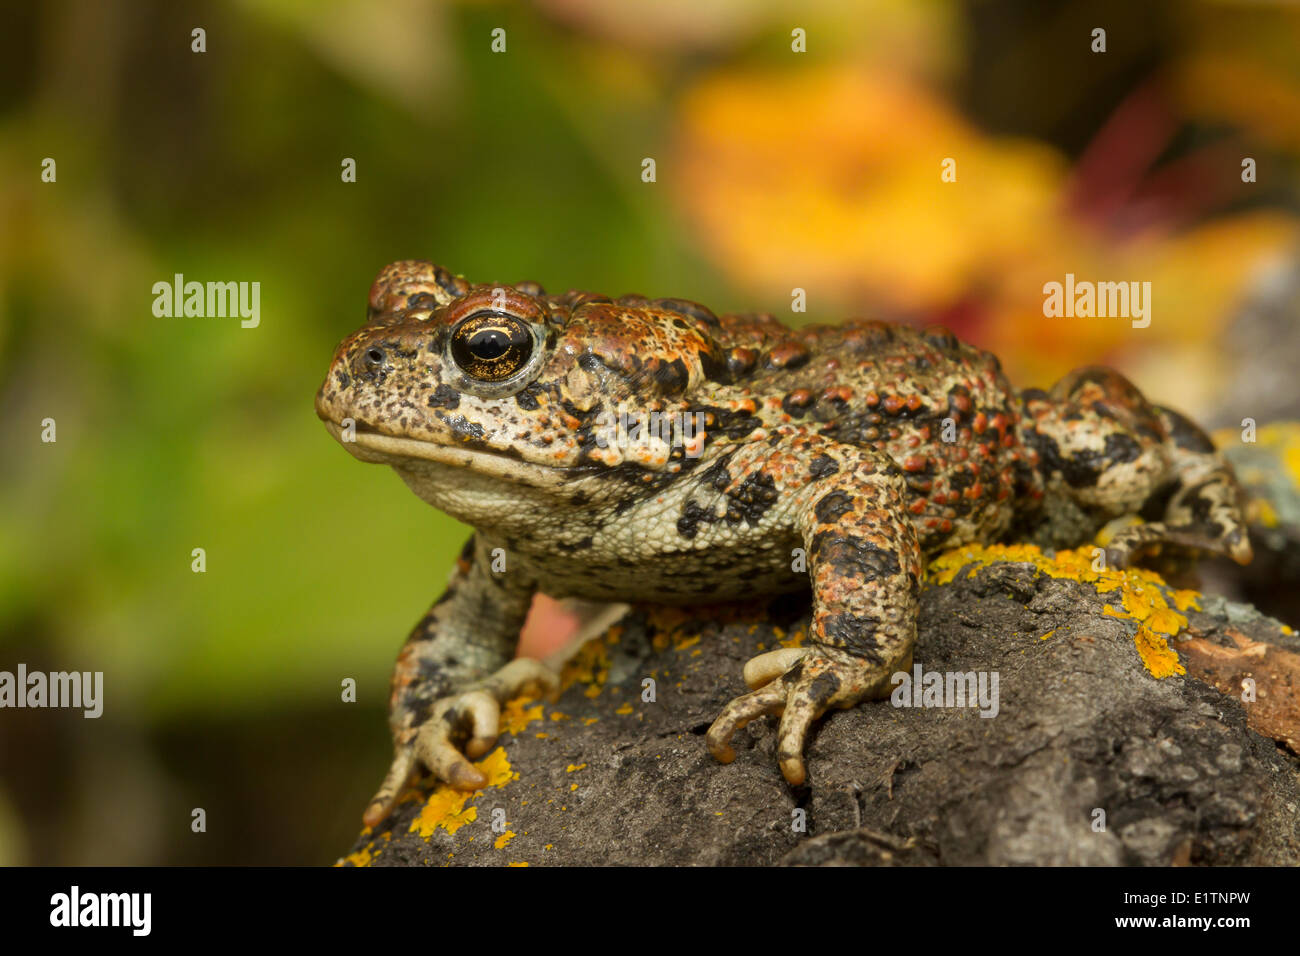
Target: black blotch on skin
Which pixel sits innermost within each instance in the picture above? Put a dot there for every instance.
(581, 545)
(733, 424)
(444, 396)
(849, 554)
(942, 339)
(1200, 503)
(672, 377)
(823, 688)
(463, 428)
(717, 475)
(688, 525)
(822, 466)
(1186, 435)
(794, 406)
(832, 507)
(526, 398)
(1080, 470)
(751, 500)
(738, 367)
(961, 480)
(1153, 509)
(855, 634)
(1104, 411)
(1122, 448)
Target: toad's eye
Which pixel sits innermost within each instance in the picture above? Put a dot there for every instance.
(491, 347)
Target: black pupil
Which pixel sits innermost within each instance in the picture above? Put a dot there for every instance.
(488, 344)
(491, 348)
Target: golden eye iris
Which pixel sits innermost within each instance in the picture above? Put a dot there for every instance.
(491, 348)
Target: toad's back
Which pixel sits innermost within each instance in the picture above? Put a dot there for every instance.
(941, 409)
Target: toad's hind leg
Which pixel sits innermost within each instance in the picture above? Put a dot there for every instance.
(1204, 510)
(865, 562)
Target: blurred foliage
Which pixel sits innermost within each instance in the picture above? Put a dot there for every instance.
(774, 170)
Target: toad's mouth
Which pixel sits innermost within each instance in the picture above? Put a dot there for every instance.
(369, 444)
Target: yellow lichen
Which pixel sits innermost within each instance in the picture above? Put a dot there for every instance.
(361, 857)
(1145, 597)
(516, 715)
(794, 640)
(589, 666)
(1262, 512)
(503, 839)
(446, 808)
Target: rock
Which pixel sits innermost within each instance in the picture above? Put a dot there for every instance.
(1090, 759)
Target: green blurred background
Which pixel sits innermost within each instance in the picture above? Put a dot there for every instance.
(775, 170)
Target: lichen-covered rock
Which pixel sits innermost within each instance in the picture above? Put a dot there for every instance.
(1119, 736)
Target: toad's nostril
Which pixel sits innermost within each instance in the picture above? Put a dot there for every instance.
(374, 356)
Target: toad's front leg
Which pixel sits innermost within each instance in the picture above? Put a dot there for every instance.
(865, 563)
(454, 673)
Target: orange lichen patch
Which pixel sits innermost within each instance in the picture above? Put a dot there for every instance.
(681, 643)
(625, 709)
(516, 715)
(446, 807)
(795, 639)
(1261, 512)
(575, 766)
(519, 864)
(443, 808)
(677, 627)
(503, 839)
(1048, 634)
(359, 858)
(589, 666)
(1144, 595)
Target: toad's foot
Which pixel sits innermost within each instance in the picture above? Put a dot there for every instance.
(1203, 514)
(801, 684)
(472, 717)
